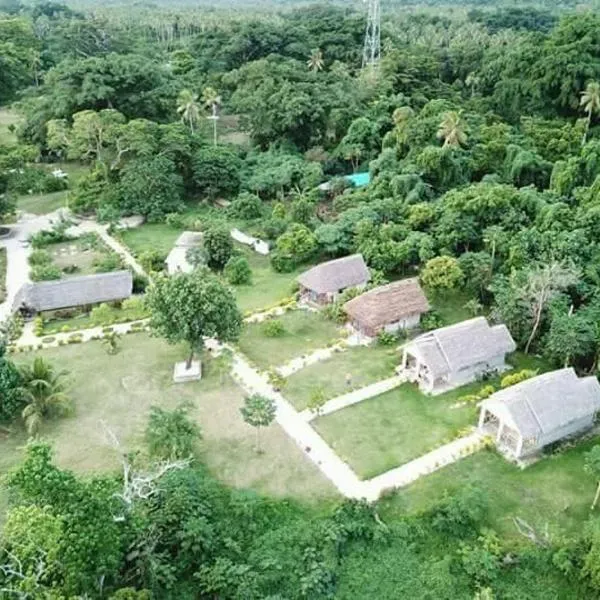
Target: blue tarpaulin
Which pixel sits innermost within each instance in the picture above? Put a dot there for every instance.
(359, 179)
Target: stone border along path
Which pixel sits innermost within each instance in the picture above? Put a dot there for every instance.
(354, 397)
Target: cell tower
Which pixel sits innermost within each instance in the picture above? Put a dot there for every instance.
(372, 48)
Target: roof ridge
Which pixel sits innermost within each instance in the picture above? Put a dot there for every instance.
(441, 349)
(532, 411)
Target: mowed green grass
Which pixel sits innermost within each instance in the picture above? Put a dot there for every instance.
(119, 391)
(554, 492)
(158, 237)
(41, 204)
(8, 117)
(363, 365)
(267, 287)
(389, 430)
(304, 331)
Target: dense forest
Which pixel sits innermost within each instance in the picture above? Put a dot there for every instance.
(480, 130)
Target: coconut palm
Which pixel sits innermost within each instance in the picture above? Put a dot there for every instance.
(472, 82)
(44, 391)
(315, 61)
(187, 107)
(590, 102)
(212, 102)
(453, 129)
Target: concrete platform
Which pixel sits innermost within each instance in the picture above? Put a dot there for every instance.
(183, 375)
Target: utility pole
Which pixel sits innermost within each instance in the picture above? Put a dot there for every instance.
(372, 47)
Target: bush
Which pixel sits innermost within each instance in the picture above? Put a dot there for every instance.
(386, 338)
(237, 271)
(107, 263)
(39, 257)
(175, 220)
(171, 435)
(101, 314)
(518, 377)
(45, 273)
(51, 236)
(38, 326)
(431, 320)
(12, 328)
(153, 261)
(246, 206)
(218, 246)
(140, 283)
(459, 514)
(273, 328)
(31, 180)
(282, 264)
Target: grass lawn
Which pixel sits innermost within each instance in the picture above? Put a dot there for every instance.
(394, 428)
(150, 236)
(451, 306)
(3, 266)
(555, 491)
(366, 365)
(120, 390)
(267, 287)
(7, 118)
(401, 425)
(41, 204)
(304, 331)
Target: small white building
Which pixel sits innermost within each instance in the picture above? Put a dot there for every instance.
(452, 356)
(177, 261)
(527, 416)
(259, 246)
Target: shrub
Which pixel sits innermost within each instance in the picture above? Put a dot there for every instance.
(486, 391)
(237, 271)
(107, 263)
(218, 246)
(38, 326)
(51, 236)
(31, 180)
(153, 260)
(175, 220)
(101, 314)
(140, 283)
(171, 435)
(518, 377)
(39, 257)
(45, 273)
(282, 264)
(273, 328)
(431, 320)
(386, 338)
(12, 328)
(246, 206)
(459, 514)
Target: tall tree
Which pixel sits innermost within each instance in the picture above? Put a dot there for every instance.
(453, 129)
(590, 102)
(190, 307)
(188, 108)
(212, 101)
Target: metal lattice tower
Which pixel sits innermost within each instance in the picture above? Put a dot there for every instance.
(372, 47)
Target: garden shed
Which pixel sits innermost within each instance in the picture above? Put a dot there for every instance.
(539, 411)
(398, 305)
(452, 356)
(177, 261)
(85, 290)
(323, 284)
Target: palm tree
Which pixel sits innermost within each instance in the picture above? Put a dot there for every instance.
(187, 107)
(453, 129)
(315, 61)
(590, 102)
(212, 101)
(44, 390)
(472, 81)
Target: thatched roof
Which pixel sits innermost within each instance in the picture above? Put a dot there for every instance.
(546, 403)
(450, 349)
(388, 304)
(75, 291)
(335, 275)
